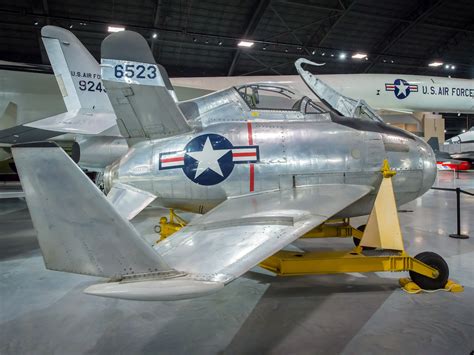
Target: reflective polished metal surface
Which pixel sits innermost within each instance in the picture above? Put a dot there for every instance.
(304, 145)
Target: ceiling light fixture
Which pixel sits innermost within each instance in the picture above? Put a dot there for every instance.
(245, 43)
(342, 56)
(435, 64)
(154, 35)
(115, 29)
(359, 56)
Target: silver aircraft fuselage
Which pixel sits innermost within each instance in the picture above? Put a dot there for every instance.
(259, 155)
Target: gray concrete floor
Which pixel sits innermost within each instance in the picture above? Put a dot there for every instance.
(45, 312)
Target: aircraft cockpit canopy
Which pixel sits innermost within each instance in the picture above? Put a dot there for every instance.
(270, 96)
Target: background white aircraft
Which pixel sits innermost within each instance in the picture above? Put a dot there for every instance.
(90, 122)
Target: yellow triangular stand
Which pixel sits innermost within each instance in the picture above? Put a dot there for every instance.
(383, 228)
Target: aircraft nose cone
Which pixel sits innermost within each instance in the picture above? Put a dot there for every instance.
(428, 159)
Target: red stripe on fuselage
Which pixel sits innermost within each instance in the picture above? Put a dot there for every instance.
(172, 160)
(252, 168)
(244, 155)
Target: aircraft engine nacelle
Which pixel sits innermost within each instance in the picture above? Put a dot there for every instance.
(95, 153)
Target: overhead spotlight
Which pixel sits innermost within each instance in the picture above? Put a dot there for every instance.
(219, 43)
(115, 28)
(313, 52)
(286, 50)
(245, 43)
(154, 35)
(366, 58)
(71, 26)
(342, 56)
(463, 131)
(323, 54)
(392, 61)
(264, 48)
(435, 64)
(36, 23)
(194, 39)
(385, 61)
(207, 41)
(299, 48)
(453, 67)
(359, 56)
(82, 23)
(332, 54)
(447, 66)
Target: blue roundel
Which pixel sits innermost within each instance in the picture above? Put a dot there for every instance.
(208, 159)
(402, 88)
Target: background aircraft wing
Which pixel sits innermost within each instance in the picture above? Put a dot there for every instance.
(79, 121)
(241, 232)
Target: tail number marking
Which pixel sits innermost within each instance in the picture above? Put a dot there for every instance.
(138, 71)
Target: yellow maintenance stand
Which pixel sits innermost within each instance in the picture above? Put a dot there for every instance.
(379, 247)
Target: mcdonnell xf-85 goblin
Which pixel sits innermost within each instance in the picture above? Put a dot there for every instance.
(262, 165)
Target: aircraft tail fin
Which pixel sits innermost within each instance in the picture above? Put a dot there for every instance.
(139, 89)
(79, 231)
(77, 71)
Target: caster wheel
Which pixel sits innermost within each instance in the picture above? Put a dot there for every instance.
(357, 240)
(157, 229)
(437, 262)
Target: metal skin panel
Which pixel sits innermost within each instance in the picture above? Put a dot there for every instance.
(128, 200)
(291, 154)
(241, 232)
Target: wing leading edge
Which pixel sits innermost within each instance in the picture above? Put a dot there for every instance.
(225, 243)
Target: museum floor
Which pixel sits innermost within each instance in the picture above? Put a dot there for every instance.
(45, 312)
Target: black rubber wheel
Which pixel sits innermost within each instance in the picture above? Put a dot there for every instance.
(357, 240)
(437, 262)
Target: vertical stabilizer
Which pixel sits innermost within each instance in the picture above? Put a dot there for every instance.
(77, 71)
(139, 90)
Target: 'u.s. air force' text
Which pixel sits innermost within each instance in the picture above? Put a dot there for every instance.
(446, 91)
(88, 85)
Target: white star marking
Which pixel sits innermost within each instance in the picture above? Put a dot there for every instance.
(208, 159)
(402, 89)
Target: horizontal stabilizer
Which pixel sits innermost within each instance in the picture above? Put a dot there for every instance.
(78, 230)
(128, 200)
(139, 89)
